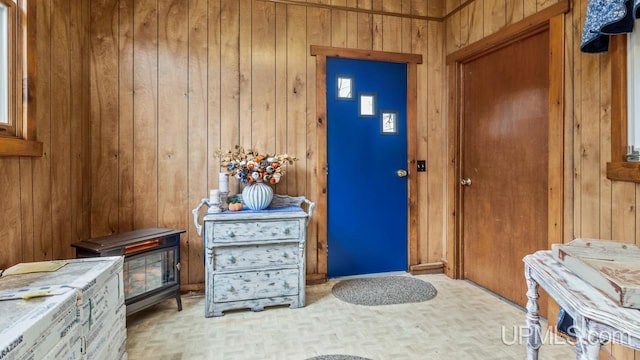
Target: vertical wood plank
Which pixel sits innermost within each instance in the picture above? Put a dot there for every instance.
(86, 121)
(514, 11)
(198, 152)
(78, 122)
(229, 78)
(452, 267)
(296, 97)
(282, 87)
(412, 131)
(422, 8)
(104, 126)
(556, 131)
(263, 95)
(437, 141)
(392, 6)
(450, 6)
(125, 115)
(453, 26)
(338, 26)
(464, 26)
(590, 146)
(320, 220)
(405, 31)
(173, 117)
(569, 108)
(318, 33)
(365, 26)
(577, 119)
(352, 29)
(435, 8)
(392, 35)
(623, 205)
(26, 164)
(542, 4)
(377, 26)
(245, 69)
(494, 16)
(476, 21)
(26, 211)
(620, 352)
(61, 132)
(421, 39)
(145, 115)
(529, 7)
(213, 124)
(10, 226)
(605, 147)
(42, 215)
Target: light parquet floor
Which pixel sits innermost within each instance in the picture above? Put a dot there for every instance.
(462, 322)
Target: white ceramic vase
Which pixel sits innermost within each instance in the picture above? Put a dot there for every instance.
(257, 196)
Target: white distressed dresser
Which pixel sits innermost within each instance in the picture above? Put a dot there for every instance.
(255, 259)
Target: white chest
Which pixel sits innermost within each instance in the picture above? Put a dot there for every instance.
(254, 259)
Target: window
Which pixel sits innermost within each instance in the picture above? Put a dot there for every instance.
(17, 125)
(633, 89)
(7, 67)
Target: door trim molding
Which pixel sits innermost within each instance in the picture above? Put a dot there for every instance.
(555, 26)
(412, 60)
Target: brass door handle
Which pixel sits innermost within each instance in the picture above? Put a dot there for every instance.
(465, 182)
(401, 173)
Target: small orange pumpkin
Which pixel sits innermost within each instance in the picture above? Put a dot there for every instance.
(235, 205)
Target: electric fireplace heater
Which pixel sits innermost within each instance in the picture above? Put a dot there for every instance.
(151, 264)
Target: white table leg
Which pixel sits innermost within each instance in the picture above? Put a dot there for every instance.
(587, 344)
(533, 318)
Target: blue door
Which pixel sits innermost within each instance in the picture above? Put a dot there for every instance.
(366, 146)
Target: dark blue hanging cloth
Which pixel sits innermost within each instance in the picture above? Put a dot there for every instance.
(604, 18)
(565, 324)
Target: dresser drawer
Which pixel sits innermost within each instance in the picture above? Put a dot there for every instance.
(254, 257)
(255, 285)
(255, 230)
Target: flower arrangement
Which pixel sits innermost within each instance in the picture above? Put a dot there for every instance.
(250, 166)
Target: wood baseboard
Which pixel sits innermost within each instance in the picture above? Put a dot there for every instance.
(427, 268)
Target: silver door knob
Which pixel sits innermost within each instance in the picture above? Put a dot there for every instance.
(465, 182)
(401, 172)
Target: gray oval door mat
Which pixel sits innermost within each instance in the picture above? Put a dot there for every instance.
(385, 290)
(338, 357)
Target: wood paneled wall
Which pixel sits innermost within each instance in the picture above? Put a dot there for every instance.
(132, 101)
(45, 202)
(173, 80)
(595, 207)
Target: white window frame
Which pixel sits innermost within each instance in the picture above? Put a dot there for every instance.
(9, 124)
(22, 139)
(633, 89)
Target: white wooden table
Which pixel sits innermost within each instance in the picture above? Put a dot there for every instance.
(597, 318)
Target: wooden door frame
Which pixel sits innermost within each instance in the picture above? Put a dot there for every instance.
(412, 60)
(553, 21)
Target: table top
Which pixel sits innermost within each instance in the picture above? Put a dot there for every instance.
(579, 297)
(268, 213)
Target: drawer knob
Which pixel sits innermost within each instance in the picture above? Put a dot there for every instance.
(229, 287)
(284, 284)
(286, 231)
(231, 258)
(230, 233)
(284, 254)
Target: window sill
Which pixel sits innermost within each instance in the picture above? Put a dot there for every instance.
(20, 147)
(624, 171)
